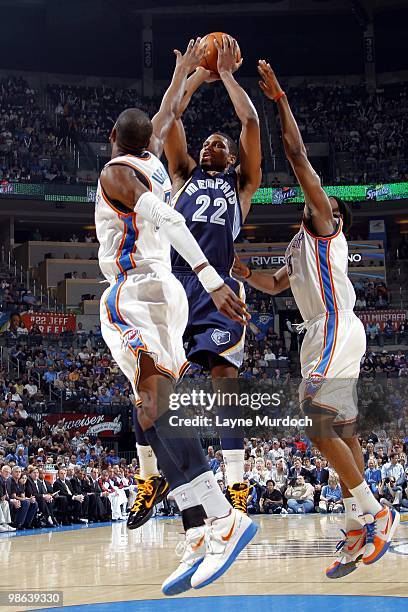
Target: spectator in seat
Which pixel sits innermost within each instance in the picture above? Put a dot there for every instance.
(77, 487)
(393, 469)
(300, 497)
(402, 332)
(276, 451)
(111, 494)
(45, 501)
(271, 501)
(280, 475)
(373, 332)
(297, 470)
(319, 477)
(5, 516)
(389, 330)
(103, 510)
(23, 510)
(391, 493)
(112, 458)
(372, 477)
(68, 504)
(331, 498)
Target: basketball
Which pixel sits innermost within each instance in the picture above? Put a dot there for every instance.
(209, 60)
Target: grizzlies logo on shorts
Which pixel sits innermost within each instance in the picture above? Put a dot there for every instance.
(209, 331)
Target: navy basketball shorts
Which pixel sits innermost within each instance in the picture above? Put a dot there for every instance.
(208, 331)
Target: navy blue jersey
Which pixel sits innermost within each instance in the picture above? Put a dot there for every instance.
(210, 206)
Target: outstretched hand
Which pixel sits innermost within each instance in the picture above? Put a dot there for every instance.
(230, 305)
(227, 55)
(269, 83)
(192, 56)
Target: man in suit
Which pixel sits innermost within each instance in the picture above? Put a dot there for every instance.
(103, 511)
(77, 488)
(23, 509)
(36, 488)
(297, 470)
(68, 504)
(319, 477)
(5, 517)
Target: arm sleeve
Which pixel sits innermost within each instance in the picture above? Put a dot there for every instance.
(172, 225)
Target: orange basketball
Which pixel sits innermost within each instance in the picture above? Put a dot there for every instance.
(209, 60)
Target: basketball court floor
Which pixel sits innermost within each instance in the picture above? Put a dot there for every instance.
(107, 567)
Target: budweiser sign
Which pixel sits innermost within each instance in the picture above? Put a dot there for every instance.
(103, 425)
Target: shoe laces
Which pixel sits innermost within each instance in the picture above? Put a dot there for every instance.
(239, 498)
(341, 543)
(145, 489)
(371, 531)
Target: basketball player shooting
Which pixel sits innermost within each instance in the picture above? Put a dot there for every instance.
(143, 316)
(316, 271)
(214, 197)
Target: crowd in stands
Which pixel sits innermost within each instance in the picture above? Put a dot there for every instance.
(367, 133)
(369, 129)
(49, 479)
(88, 113)
(289, 476)
(31, 147)
(371, 295)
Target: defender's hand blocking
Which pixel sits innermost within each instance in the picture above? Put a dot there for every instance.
(230, 305)
(269, 84)
(239, 269)
(227, 54)
(192, 57)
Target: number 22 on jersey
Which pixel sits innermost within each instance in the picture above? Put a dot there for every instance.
(201, 215)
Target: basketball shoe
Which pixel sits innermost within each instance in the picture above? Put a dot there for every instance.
(237, 496)
(192, 552)
(380, 530)
(225, 538)
(150, 491)
(350, 551)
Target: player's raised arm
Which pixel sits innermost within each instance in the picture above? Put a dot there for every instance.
(180, 163)
(120, 183)
(268, 283)
(249, 169)
(162, 121)
(317, 202)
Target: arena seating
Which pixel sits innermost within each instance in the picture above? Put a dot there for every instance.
(365, 133)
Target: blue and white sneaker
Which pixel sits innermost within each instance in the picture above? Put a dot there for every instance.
(225, 538)
(192, 552)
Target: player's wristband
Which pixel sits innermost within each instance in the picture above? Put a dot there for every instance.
(210, 279)
(278, 96)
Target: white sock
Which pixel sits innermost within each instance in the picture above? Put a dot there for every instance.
(147, 461)
(234, 465)
(185, 497)
(353, 511)
(210, 496)
(366, 499)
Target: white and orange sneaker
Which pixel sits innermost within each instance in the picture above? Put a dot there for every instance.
(192, 552)
(225, 538)
(380, 530)
(350, 552)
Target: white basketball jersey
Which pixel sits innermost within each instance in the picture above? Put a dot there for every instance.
(128, 243)
(317, 269)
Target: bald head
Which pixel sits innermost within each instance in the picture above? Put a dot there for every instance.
(132, 131)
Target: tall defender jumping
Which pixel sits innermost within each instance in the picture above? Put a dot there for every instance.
(144, 313)
(316, 271)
